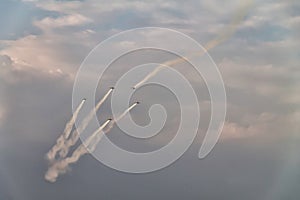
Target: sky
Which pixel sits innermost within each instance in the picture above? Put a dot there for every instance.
(43, 43)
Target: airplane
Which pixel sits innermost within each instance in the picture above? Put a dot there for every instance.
(137, 102)
(109, 119)
(112, 88)
(84, 99)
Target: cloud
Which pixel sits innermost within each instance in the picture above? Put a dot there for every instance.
(13, 69)
(49, 52)
(28, 93)
(279, 83)
(59, 6)
(68, 20)
(79, 26)
(259, 64)
(2, 114)
(264, 125)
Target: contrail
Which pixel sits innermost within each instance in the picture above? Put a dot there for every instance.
(64, 136)
(62, 166)
(225, 34)
(76, 133)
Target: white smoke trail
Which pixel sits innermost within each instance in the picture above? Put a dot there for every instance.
(62, 138)
(96, 139)
(89, 140)
(62, 166)
(157, 69)
(76, 133)
(224, 35)
(125, 112)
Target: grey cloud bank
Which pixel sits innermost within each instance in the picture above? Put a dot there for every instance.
(256, 157)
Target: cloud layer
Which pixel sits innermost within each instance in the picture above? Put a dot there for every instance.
(259, 64)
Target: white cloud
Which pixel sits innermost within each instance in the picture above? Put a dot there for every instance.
(265, 80)
(69, 20)
(59, 6)
(15, 71)
(50, 51)
(201, 20)
(264, 125)
(67, 39)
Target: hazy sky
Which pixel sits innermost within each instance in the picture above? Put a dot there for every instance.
(42, 44)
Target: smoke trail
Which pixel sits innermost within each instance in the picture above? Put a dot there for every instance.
(125, 112)
(157, 69)
(229, 30)
(89, 140)
(62, 138)
(97, 138)
(76, 133)
(222, 37)
(62, 166)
